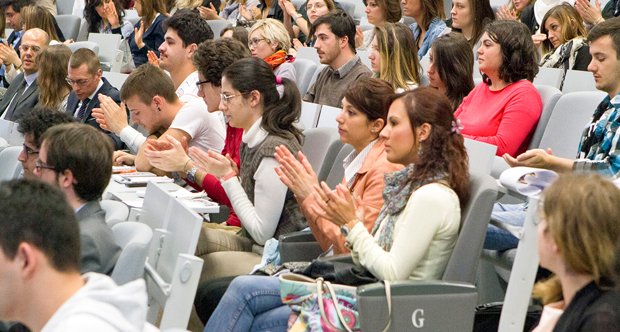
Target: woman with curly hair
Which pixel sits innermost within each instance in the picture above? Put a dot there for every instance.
(106, 16)
(503, 110)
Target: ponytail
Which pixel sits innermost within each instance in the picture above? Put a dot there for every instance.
(279, 117)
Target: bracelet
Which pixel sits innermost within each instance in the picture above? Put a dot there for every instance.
(599, 19)
(185, 166)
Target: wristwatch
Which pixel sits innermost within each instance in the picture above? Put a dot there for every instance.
(191, 174)
(297, 16)
(344, 230)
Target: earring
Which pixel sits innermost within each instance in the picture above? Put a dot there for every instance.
(420, 147)
(159, 109)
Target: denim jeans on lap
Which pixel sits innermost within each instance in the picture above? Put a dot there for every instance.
(251, 303)
(499, 239)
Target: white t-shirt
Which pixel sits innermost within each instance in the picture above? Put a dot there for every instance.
(188, 90)
(206, 130)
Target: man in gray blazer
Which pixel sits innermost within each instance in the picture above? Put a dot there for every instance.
(23, 94)
(78, 159)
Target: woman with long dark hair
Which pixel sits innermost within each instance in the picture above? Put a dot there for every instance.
(417, 227)
(470, 17)
(106, 16)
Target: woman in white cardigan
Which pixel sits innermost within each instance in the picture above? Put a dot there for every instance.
(416, 230)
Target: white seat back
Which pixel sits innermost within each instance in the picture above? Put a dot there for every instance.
(327, 118)
(116, 79)
(108, 44)
(309, 114)
(577, 80)
(308, 53)
(549, 76)
(10, 167)
(481, 156)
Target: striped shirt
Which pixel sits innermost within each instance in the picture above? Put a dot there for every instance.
(353, 162)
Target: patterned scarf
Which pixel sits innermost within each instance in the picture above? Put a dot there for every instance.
(398, 189)
(276, 59)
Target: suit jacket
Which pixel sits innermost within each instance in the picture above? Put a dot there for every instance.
(106, 89)
(99, 250)
(25, 102)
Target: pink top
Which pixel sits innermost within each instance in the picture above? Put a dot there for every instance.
(506, 118)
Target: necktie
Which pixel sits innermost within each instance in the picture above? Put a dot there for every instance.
(82, 110)
(18, 94)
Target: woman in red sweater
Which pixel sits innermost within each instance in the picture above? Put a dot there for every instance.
(504, 109)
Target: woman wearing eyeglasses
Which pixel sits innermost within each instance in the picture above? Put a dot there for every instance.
(53, 87)
(270, 41)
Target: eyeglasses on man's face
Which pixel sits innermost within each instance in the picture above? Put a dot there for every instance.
(29, 151)
(26, 48)
(41, 165)
(80, 82)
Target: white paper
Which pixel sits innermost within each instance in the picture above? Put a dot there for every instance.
(527, 181)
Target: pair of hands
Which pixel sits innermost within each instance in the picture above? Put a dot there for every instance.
(505, 13)
(110, 14)
(252, 14)
(590, 14)
(109, 115)
(208, 13)
(289, 8)
(339, 207)
(8, 55)
(537, 158)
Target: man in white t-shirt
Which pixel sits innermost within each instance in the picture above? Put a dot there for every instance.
(150, 97)
(40, 281)
(185, 30)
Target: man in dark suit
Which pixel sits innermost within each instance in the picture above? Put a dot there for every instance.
(23, 94)
(78, 159)
(86, 81)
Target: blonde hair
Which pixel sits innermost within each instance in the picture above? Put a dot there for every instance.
(399, 60)
(582, 217)
(191, 4)
(53, 65)
(569, 19)
(38, 17)
(513, 7)
(274, 32)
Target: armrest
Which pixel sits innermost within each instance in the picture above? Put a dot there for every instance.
(418, 304)
(299, 247)
(499, 165)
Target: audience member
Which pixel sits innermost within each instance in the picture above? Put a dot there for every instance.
(52, 80)
(470, 18)
(87, 84)
(265, 9)
(596, 153)
(211, 58)
(335, 44)
(78, 159)
(363, 116)
(23, 93)
(106, 16)
(378, 13)
(301, 27)
(577, 235)
(451, 67)
(148, 33)
(270, 41)
(503, 110)
(391, 58)
(265, 207)
(42, 285)
(149, 94)
(565, 46)
(512, 10)
(229, 12)
(414, 234)
(238, 33)
(429, 16)
(32, 126)
(185, 30)
(533, 15)
(39, 17)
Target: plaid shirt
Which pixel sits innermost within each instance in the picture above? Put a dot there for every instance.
(599, 149)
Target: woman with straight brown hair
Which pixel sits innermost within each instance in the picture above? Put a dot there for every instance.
(53, 65)
(429, 16)
(38, 17)
(470, 17)
(450, 67)
(577, 234)
(148, 32)
(566, 45)
(378, 13)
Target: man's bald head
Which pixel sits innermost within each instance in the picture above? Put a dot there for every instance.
(38, 34)
(33, 41)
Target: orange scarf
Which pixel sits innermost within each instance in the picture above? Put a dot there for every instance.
(276, 59)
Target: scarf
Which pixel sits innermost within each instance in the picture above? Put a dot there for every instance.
(398, 189)
(276, 59)
(563, 56)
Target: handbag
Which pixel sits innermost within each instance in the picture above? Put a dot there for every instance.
(319, 305)
(128, 65)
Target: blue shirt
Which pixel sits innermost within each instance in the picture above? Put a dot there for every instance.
(436, 27)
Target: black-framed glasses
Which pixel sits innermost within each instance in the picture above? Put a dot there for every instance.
(41, 165)
(29, 151)
(254, 42)
(80, 82)
(226, 98)
(200, 83)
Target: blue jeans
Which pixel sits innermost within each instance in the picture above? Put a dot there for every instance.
(499, 239)
(251, 303)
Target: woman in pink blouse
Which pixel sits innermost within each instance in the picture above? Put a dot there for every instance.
(504, 109)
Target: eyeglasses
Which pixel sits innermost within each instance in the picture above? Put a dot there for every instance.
(317, 6)
(80, 82)
(226, 98)
(200, 83)
(43, 165)
(254, 42)
(25, 48)
(29, 151)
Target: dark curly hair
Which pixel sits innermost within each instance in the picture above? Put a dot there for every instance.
(92, 17)
(191, 28)
(37, 121)
(443, 150)
(519, 57)
(213, 56)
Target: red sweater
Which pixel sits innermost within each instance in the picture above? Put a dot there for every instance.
(212, 186)
(506, 118)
